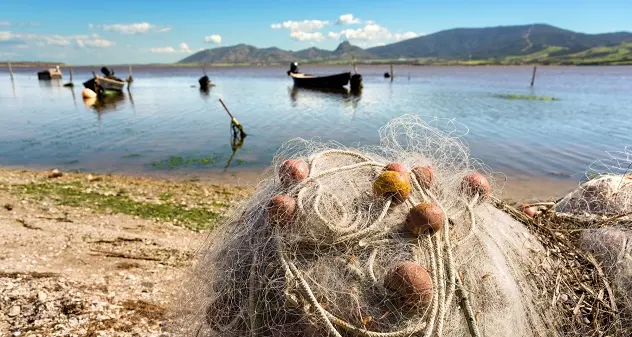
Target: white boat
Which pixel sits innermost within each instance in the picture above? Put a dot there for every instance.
(110, 83)
(101, 83)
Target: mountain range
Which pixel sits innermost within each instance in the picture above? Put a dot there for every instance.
(536, 43)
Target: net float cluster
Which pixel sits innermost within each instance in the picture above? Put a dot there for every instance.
(410, 282)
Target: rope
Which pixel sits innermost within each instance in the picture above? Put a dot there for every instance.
(319, 155)
(252, 310)
(370, 265)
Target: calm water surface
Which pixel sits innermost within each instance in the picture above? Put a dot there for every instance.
(165, 126)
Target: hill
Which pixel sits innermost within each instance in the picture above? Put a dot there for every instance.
(536, 43)
(243, 53)
(496, 42)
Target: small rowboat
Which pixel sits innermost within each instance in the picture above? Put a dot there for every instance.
(108, 83)
(100, 83)
(331, 81)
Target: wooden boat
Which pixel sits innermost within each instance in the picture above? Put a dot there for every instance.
(101, 83)
(110, 83)
(331, 81)
(50, 74)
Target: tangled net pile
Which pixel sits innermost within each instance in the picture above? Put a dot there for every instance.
(386, 241)
(602, 210)
(608, 191)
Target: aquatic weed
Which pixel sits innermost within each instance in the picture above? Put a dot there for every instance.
(526, 97)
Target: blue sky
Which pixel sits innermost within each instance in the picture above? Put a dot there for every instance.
(76, 32)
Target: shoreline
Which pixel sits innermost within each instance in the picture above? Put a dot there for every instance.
(511, 186)
(455, 63)
(87, 254)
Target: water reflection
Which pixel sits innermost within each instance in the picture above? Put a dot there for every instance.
(204, 93)
(131, 99)
(56, 83)
(236, 142)
(312, 95)
(74, 98)
(105, 103)
(13, 87)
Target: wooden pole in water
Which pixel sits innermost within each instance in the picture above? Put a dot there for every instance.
(233, 120)
(10, 70)
(355, 69)
(70, 84)
(533, 76)
(130, 79)
(392, 72)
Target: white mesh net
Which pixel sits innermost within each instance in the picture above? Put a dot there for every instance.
(331, 245)
(608, 191)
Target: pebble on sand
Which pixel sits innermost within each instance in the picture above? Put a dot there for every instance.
(14, 311)
(55, 174)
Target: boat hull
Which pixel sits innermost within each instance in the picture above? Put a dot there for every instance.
(103, 84)
(110, 84)
(333, 81)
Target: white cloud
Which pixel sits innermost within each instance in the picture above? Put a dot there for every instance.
(306, 30)
(182, 48)
(94, 41)
(57, 40)
(81, 41)
(6, 36)
(371, 35)
(305, 36)
(305, 25)
(405, 36)
(213, 38)
(369, 22)
(163, 50)
(185, 48)
(348, 19)
(131, 28)
(5, 23)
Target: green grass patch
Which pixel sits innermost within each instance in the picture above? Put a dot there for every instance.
(132, 155)
(165, 196)
(73, 194)
(175, 162)
(526, 97)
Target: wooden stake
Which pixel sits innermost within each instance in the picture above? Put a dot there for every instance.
(130, 79)
(234, 120)
(533, 76)
(10, 70)
(391, 72)
(70, 84)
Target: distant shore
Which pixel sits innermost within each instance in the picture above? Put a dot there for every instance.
(437, 63)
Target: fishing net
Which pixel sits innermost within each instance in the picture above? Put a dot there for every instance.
(600, 210)
(608, 191)
(392, 240)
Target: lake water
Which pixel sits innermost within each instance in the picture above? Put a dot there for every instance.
(167, 127)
